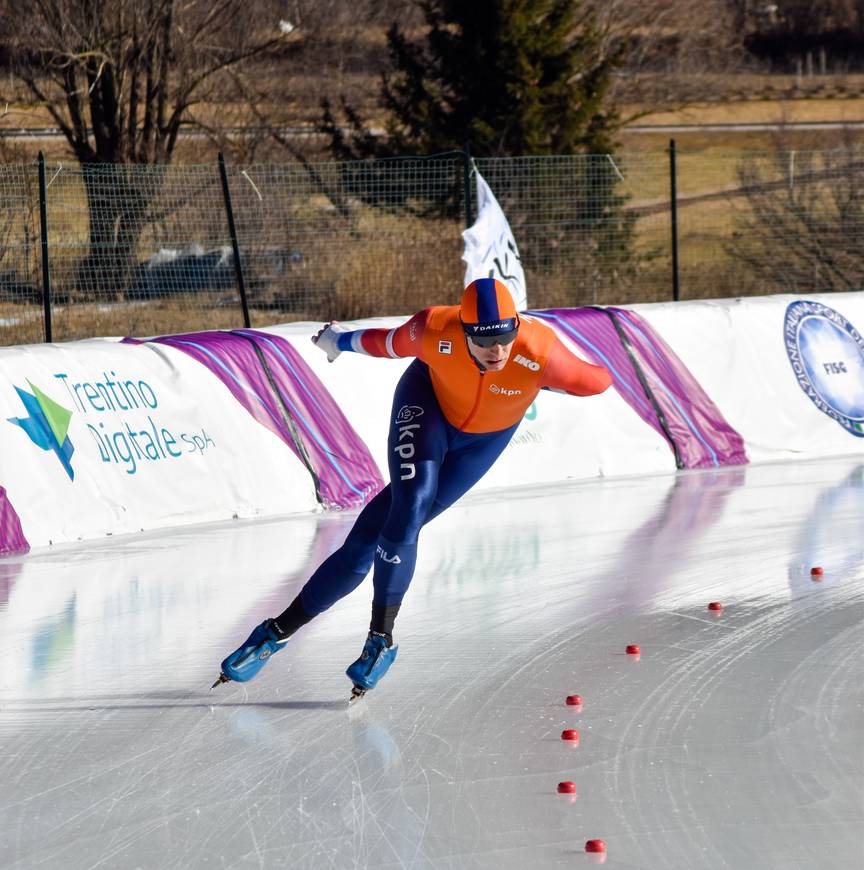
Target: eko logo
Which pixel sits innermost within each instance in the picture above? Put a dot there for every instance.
(47, 425)
(827, 356)
(530, 364)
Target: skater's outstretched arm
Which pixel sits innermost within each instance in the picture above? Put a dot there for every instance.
(567, 373)
(402, 341)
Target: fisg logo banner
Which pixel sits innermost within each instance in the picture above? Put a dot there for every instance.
(826, 353)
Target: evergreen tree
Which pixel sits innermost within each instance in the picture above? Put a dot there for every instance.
(509, 77)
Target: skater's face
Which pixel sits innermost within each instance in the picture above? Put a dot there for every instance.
(492, 359)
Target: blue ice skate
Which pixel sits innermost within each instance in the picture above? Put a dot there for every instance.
(245, 662)
(374, 662)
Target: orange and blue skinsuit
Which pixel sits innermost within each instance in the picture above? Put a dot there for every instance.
(450, 421)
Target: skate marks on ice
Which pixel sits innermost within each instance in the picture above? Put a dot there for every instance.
(157, 701)
(731, 743)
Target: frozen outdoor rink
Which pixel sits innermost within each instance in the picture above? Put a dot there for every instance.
(735, 741)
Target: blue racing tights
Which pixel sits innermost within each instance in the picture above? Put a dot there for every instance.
(432, 464)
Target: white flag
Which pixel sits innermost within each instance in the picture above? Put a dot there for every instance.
(490, 249)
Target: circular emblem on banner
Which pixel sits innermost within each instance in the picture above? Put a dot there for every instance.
(827, 356)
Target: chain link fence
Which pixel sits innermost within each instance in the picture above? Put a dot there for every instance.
(348, 240)
(144, 250)
(21, 309)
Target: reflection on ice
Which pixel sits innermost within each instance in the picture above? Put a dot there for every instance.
(738, 731)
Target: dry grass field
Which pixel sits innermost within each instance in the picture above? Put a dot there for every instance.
(364, 274)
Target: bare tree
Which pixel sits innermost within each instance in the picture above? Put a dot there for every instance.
(119, 78)
(815, 16)
(676, 48)
(803, 229)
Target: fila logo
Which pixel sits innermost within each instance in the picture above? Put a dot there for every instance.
(503, 391)
(393, 560)
(445, 347)
(528, 363)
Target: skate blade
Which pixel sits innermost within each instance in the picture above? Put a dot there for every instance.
(222, 679)
(356, 694)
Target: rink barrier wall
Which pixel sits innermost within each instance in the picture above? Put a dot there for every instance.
(12, 538)
(278, 389)
(654, 382)
(111, 436)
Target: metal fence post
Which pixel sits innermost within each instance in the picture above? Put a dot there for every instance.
(673, 181)
(466, 177)
(43, 231)
(238, 268)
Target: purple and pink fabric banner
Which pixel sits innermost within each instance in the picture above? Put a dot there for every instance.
(12, 538)
(674, 403)
(273, 383)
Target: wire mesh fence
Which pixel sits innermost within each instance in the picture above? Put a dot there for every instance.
(142, 250)
(773, 222)
(577, 221)
(348, 240)
(21, 310)
(138, 250)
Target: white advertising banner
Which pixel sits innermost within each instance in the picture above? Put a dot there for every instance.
(786, 371)
(102, 437)
(99, 437)
(490, 248)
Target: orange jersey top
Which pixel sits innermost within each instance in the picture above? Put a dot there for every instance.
(482, 401)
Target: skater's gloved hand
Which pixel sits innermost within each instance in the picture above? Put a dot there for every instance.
(327, 339)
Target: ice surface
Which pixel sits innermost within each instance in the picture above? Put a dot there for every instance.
(735, 742)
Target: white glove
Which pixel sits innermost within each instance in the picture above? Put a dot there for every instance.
(326, 339)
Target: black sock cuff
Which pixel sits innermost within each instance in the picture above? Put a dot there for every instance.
(383, 619)
(292, 618)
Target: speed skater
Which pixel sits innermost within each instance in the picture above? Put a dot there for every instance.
(477, 368)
